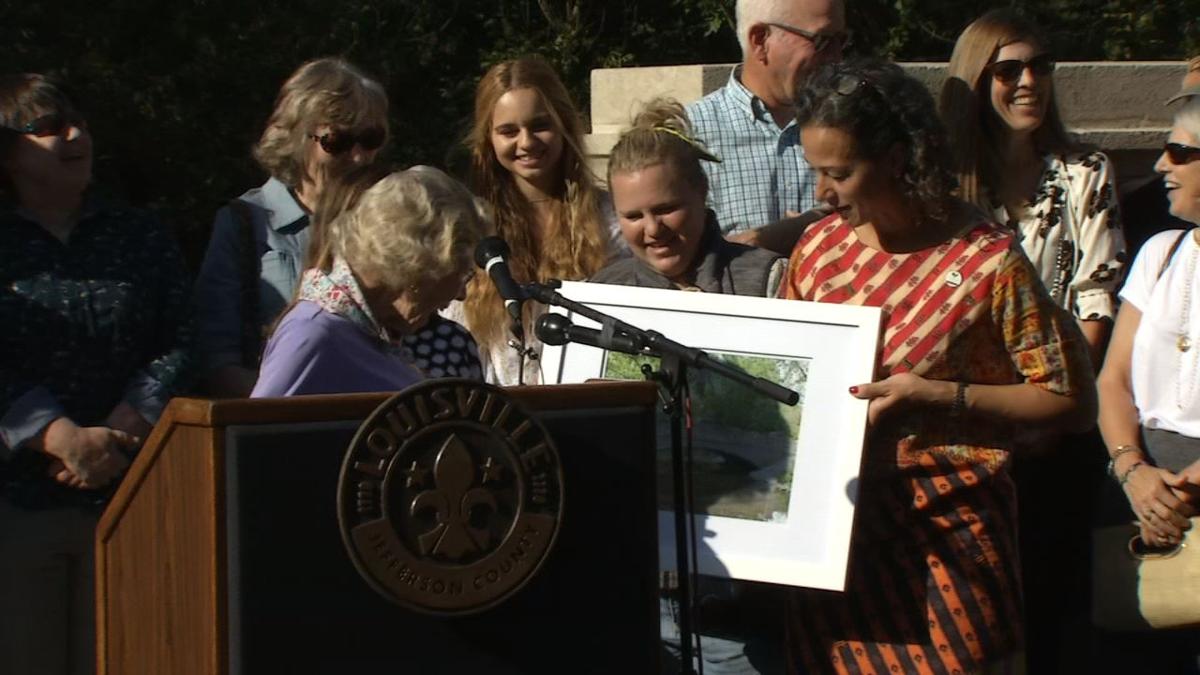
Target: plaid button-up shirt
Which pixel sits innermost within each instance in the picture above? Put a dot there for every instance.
(762, 174)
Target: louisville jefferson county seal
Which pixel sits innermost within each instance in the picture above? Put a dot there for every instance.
(450, 497)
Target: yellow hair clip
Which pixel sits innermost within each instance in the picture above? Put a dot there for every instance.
(700, 149)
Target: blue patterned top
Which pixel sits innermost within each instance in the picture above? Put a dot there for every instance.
(762, 174)
(100, 319)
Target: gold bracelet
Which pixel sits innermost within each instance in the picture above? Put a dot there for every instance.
(1112, 458)
(1122, 449)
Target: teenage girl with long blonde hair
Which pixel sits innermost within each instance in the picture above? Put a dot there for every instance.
(528, 164)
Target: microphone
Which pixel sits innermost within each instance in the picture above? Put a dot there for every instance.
(556, 329)
(491, 255)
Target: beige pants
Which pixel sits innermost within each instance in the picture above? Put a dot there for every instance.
(47, 605)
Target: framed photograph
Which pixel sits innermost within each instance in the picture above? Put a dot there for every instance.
(774, 485)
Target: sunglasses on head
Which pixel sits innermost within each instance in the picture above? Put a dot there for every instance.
(820, 41)
(1179, 154)
(1009, 70)
(338, 142)
(53, 124)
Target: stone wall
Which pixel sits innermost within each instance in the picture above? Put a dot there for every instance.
(1117, 107)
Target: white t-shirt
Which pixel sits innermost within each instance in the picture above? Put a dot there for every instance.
(1166, 381)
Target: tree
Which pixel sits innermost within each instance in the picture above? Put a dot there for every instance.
(177, 91)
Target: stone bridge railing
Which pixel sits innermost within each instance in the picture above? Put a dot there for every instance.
(1115, 106)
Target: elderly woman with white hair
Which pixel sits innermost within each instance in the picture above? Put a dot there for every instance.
(1149, 393)
(399, 254)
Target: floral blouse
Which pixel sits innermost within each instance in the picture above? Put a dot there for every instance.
(1071, 231)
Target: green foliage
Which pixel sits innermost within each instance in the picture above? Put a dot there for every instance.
(722, 401)
(178, 90)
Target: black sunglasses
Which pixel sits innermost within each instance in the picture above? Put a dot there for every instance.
(1180, 154)
(337, 142)
(1009, 70)
(53, 124)
(821, 41)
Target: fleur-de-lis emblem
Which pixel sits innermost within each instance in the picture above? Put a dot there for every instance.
(453, 501)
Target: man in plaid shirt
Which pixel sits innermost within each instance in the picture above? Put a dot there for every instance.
(749, 124)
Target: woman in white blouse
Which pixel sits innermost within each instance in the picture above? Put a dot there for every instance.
(1016, 161)
(1150, 385)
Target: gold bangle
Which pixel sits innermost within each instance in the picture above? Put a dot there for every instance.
(1121, 450)
(1112, 457)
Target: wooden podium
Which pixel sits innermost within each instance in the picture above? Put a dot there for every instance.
(221, 554)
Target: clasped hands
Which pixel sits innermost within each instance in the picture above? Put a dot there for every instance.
(1163, 501)
(92, 457)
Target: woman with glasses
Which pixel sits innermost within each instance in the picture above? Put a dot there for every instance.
(93, 304)
(1015, 161)
(972, 350)
(1150, 396)
(528, 164)
(397, 251)
(329, 117)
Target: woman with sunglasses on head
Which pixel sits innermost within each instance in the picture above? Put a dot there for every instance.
(972, 350)
(1150, 396)
(528, 164)
(329, 117)
(96, 333)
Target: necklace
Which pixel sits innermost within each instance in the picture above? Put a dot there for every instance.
(1183, 340)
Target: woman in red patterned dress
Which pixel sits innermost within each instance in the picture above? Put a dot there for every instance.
(973, 349)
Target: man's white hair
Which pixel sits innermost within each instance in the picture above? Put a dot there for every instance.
(1188, 117)
(750, 12)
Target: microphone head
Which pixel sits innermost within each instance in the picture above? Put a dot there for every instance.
(552, 328)
(488, 248)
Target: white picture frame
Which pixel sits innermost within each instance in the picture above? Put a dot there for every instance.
(826, 347)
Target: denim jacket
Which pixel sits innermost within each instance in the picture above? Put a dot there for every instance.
(281, 233)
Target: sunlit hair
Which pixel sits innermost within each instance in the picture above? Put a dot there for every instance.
(977, 133)
(883, 109)
(750, 12)
(25, 97)
(1188, 118)
(409, 228)
(339, 195)
(660, 134)
(327, 91)
(574, 245)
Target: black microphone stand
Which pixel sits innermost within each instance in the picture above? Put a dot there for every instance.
(518, 343)
(674, 359)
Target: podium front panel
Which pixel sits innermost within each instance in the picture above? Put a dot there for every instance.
(296, 603)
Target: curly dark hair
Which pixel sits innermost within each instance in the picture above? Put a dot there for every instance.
(881, 107)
